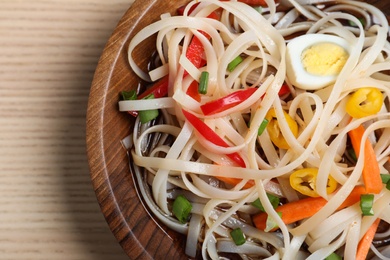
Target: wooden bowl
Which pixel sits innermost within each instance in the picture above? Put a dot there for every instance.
(139, 234)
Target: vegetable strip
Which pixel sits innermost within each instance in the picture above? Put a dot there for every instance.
(304, 208)
(371, 172)
(193, 92)
(159, 89)
(229, 101)
(365, 242)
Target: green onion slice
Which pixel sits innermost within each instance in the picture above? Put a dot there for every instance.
(203, 82)
(272, 198)
(181, 208)
(258, 9)
(237, 236)
(366, 203)
(385, 178)
(333, 256)
(234, 63)
(148, 115)
(271, 223)
(129, 95)
(352, 154)
(262, 127)
(361, 20)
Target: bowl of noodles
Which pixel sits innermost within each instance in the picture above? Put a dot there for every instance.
(245, 129)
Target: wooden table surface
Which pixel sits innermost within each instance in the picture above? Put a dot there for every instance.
(48, 53)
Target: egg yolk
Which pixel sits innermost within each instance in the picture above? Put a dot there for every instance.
(324, 59)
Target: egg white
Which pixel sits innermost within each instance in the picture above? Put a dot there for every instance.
(296, 73)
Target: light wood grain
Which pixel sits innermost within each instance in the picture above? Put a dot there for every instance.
(48, 53)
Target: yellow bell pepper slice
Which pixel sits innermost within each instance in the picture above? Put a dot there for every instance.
(274, 132)
(364, 102)
(304, 181)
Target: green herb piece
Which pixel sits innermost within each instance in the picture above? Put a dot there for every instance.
(129, 95)
(361, 20)
(181, 208)
(333, 256)
(234, 63)
(262, 127)
(271, 223)
(259, 9)
(203, 82)
(148, 115)
(238, 236)
(366, 203)
(272, 198)
(352, 154)
(385, 178)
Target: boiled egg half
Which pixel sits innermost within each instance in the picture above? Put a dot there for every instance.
(315, 60)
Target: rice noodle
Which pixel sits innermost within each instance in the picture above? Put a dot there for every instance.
(173, 157)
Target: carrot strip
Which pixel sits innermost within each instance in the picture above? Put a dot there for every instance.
(371, 172)
(365, 242)
(235, 181)
(305, 208)
(254, 2)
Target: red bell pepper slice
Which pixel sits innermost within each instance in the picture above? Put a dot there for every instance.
(180, 10)
(195, 49)
(195, 53)
(159, 89)
(284, 90)
(193, 92)
(211, 136)
(226, 102)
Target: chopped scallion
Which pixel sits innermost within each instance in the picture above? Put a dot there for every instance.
(271, 223)
(366, 203)
(361, 20)
(234, 63)
(181, 208)
(258, 9)
(262, 127)
(385, 178)
(272, 198)
(203, 82)
(129, 95)
(148, 115)
(352, 154)
(333, 256)
(238, 236)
